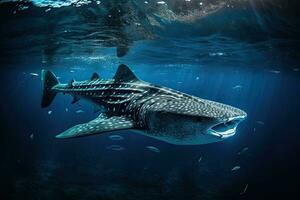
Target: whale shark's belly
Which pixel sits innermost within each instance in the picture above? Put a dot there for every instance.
(176, 129)
(188, 140)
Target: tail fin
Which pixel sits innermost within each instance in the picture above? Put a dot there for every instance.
(49, 80)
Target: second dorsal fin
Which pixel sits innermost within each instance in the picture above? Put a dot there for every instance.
(124, 74)
(95, 76)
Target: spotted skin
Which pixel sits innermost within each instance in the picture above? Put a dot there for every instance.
(152, 110)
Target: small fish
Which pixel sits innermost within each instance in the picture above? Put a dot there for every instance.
(161, 2)
(79, 111)
(235, 168)
(260, 122)
(244, 190)
(243, 150)
(31, 136)
(34, 74)
(152, 148)
(49, 112)
(274, 71)
(115, 148)
(116, 137)
(67, 109)
(199, 160)
(197, 78)
(296, 69)
(237, 87)
(23, 7)
(216, 54)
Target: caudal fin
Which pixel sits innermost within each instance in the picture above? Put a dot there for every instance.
(49, 80)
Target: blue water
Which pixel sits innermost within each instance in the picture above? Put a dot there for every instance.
(241, 57)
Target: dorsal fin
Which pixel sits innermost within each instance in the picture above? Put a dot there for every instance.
(71, 82)
(95, 76)
(125, 74)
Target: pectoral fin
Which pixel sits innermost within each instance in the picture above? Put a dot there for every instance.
(99, 125)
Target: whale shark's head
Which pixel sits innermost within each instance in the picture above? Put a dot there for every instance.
(194, 121)
(222, 120)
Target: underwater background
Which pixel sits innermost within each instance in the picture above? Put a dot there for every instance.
(244, 53)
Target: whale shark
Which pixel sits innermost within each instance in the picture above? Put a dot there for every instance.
(152, 110)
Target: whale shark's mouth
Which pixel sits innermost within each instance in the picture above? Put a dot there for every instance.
(226, 129)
